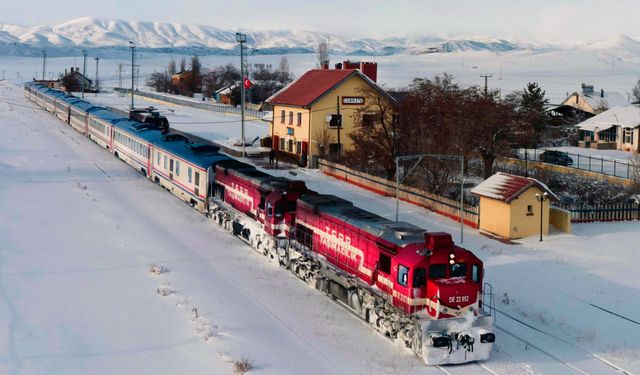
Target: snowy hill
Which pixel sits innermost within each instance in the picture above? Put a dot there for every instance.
(90, 32)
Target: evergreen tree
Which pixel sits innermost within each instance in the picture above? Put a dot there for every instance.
(532, 108)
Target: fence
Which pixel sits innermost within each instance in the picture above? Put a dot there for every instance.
(194, 104)
(441, 205)
(610, 167)
(604, 212)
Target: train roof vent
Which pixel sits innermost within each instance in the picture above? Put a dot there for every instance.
(175, 137)
(439, 241)
(205, 148)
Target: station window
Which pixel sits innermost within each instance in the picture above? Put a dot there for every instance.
(530, 210)
(290, 117)
(282, 116)
(282, 144)
(403, 275)
(298, 147)
(299, 118)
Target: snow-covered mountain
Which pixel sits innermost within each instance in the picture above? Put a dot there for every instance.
(89, 32)
(110, 35)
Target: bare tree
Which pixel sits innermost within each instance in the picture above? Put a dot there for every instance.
(171, 68)
(323, 52)
(284, 74)
(636, 93)
(183, 64)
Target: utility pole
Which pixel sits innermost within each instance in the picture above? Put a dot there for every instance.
(3, 75)
(339, 123)
(242, 39)
(97, 82)
(84, 69)
(486, 77)
(44, 63)
(120, 70)
(133, 47)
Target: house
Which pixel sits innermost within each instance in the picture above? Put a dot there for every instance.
(224, 95)
(617, 128)
(594, 102)
(510, 206)
(183, 80)
(77, 77)
(314, 114)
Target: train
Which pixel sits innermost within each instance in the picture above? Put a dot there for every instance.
(415, 287)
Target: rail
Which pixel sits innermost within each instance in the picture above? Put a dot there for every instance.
(221, 108)
(605, 166)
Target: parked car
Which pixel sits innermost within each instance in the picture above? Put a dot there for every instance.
(556, 157)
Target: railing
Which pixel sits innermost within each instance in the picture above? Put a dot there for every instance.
(441, 205)
(603, 212)
(610, 167)
(222, 108)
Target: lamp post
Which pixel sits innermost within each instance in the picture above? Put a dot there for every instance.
(241, 39)
(133, 48)
(84, 69)
(44, 63)
(97, 84)
(541, 199)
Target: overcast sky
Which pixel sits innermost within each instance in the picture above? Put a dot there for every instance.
(541, 20)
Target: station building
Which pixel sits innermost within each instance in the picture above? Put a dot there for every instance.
(315, 114)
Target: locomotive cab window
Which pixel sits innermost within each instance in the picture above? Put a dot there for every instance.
(269, 209)
(458, 270)
(437, 271)
(475, 273)
(419, 277)
(279, 210)
(403, 275)
(384, 263)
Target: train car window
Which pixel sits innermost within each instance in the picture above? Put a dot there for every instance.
(475, 273)
(419, 277)
(269, 209)
(158, 160)
(171, 165)
(403, 275)
(197, 179)
(437, 271)
(384, 263)
(458, 270)
(178, 167)
(165, 162)
(189, 171)
(279, 210)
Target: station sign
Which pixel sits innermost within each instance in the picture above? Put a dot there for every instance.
(352, 100)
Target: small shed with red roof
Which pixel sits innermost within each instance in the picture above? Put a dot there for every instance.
(510, 205)
(314, 114)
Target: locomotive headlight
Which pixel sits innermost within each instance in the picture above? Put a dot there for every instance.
(452, 255)
(452, 262)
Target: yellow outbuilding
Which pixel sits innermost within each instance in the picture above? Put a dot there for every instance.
(514, 206)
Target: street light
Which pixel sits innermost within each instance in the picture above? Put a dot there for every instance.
(541, 199)
(84, 69)
(133, 48)
(242, 39)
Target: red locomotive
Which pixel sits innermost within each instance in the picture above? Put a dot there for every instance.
(415, 287)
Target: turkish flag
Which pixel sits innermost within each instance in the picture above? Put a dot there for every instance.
(247, 83)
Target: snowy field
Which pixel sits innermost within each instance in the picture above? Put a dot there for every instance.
(79, 230)
(560, 73)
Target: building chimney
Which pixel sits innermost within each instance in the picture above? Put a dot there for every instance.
(339, 66)
(370, 69)
(72, 69)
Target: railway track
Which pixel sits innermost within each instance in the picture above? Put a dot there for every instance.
(546, 343)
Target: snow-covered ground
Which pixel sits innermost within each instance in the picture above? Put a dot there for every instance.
(79, 230)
